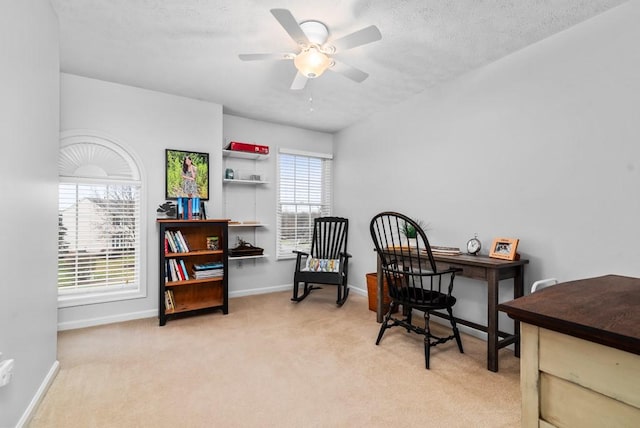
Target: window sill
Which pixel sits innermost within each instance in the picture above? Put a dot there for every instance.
(91, 298)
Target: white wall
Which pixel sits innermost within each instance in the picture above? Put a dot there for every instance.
(259, 203)
(542, 145)
(146, 123)
(28, 185)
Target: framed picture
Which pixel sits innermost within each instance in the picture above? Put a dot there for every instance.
(504, 248)
(186, 174)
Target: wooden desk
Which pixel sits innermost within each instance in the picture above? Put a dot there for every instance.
(580, 353)
(492, 271)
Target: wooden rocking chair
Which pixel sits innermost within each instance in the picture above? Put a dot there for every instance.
(327, 262)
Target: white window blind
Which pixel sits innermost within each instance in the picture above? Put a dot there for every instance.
(304, 193)
(98, 236)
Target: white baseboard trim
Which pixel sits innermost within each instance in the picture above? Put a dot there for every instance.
(360, 291)
(90, 322)
(263, 290)
(40, 393)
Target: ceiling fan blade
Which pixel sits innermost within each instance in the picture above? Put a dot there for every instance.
(358, 38)
(262, 56)
(299, 82)
(350, 72)
(289, 23)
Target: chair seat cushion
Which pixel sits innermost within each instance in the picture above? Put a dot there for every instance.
(321, 265)
(419, 297)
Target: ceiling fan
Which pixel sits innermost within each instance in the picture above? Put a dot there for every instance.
(315, 55)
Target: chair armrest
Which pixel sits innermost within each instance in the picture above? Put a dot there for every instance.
(299, 258)
(346, 255)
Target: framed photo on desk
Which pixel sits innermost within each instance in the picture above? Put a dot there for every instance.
(504, 248)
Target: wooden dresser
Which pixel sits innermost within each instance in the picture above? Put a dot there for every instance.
(580, 353)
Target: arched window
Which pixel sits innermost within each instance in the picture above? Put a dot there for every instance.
(100, 226)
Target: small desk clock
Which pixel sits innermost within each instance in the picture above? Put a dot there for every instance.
(474, 245)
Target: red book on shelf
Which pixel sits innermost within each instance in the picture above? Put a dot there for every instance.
(176, 267)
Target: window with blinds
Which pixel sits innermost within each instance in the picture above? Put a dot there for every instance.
(304, 193)
(100, 226)
(98, 236)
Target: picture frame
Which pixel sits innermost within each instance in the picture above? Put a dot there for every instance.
(186, 174)
(504, 248)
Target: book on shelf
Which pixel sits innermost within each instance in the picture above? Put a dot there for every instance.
(179, 270)
(208, 266)
(167, 271)
(184, 269)
(170, 241)
(169, 302)
(183, 242)
(210, 273)
(176, 271)
(176, 244)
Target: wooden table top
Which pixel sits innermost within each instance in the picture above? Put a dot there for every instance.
(604, 310)
(483, 261)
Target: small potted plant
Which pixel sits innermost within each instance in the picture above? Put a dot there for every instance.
(410, 232)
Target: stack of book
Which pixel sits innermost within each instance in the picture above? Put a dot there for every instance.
(176, 270)
(445, 251)
(208, 270)
(174, 242)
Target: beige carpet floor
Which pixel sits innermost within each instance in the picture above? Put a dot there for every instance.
(274, 363)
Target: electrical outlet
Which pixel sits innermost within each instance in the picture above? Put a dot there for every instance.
(6, 372)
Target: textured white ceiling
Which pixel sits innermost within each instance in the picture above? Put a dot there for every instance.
(191, 47)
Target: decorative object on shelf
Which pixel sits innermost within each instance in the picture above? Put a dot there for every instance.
(245, 249)
(228, 174)
(187, 174)
(167, 210)
(248, 147)
(504, 248)
(212, 243)
(474, 245)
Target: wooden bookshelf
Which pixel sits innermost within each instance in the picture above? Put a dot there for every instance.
(193, 296)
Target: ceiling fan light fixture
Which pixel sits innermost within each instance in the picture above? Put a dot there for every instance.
(312, 63)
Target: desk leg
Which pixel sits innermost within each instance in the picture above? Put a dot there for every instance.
(518, 291)
(379, 297)
(492, 320)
